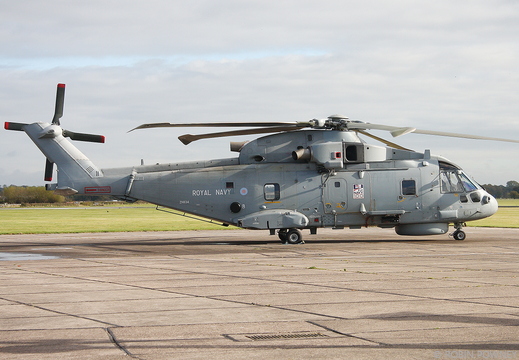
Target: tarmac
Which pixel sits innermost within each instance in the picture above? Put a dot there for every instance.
(239, 294)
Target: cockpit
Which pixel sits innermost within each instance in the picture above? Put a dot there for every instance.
(454, 180)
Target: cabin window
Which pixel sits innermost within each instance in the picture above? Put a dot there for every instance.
(337, 184)
(464, 199)
(271, 192)
(408, 187)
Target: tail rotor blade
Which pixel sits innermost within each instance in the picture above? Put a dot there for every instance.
(84, 137)
(14, 126)
(60, 100)
(49, 169)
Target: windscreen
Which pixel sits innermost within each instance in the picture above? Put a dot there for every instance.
(454, 180)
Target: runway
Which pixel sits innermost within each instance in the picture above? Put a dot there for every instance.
(235, 294)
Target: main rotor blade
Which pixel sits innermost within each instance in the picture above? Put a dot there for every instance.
(398, 131)
(465, 136)
(394, 130)
(188, 138)
(60, 100)
(384, 141)
(226, 124)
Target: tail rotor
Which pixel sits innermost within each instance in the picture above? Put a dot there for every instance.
(54, 129)
(58, 113)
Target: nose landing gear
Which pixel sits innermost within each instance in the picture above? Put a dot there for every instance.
(459, 234)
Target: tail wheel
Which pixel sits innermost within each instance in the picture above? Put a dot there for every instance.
(294, 236)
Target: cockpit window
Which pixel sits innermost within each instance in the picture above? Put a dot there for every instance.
(450, 182)
(467, 184)
(453, 180)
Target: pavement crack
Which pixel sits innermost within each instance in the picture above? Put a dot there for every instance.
(118, 345)
(345, 334)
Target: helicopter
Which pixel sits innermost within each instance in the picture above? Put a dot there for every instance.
(301, 175)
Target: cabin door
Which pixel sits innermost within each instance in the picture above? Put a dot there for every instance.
(335, 195)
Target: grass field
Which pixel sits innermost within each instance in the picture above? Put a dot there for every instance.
(507, 216)
(508, 202)
(53, 220)
(144, 217)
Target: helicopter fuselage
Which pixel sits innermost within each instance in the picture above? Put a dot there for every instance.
(304, 179)
(306, 175)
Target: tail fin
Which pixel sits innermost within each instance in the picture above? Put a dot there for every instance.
(75, 170)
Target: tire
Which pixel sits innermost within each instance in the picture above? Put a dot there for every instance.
(459, 235)
(294, 236)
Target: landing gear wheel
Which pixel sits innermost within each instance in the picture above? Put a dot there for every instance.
(282, 234)
(294, 236)
(459, 235)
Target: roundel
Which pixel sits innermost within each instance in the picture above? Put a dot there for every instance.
(244, 191)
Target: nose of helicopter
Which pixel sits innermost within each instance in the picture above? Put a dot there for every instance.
(490, 205)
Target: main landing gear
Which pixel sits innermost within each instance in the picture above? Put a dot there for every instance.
(459, 234)
(290, 236)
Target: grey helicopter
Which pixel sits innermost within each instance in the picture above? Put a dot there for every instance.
(302, 175)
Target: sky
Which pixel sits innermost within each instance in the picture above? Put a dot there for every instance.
(438, 65)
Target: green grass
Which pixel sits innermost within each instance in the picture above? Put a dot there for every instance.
(95, 219)
(508, 202)
(507, 216)
(144, 217)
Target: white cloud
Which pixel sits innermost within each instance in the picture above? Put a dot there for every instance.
(439, 65)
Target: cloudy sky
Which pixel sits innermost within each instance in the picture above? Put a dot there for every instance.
(437, 65)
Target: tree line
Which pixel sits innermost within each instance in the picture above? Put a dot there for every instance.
(510, 191)
(37, 194)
